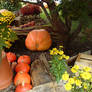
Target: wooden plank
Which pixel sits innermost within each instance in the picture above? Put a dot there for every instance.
(46, 65)
(30, 28)
(39, 74)
(85, 56)
(83, 64)
(84, 60)
(49, 87)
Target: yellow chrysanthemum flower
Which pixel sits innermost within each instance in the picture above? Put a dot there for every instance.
(67, 57)
(60, 46)
(87, 69)
(86, 75)
(76, 67)
(8, 43)
(61, 52)
(51, 52)
(85, 85)
(65, 76)
(54, 49)
(78, 82)
(68, 86)
(71, 80)
(63, 56)
(60, 58)
(8, 16)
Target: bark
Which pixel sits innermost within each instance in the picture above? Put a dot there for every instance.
(75, 33)
(68, 23)
(57, 24)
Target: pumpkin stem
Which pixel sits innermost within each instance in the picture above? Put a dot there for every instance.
(23, 83)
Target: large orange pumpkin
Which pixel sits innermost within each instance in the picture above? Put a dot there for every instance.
(38, 40)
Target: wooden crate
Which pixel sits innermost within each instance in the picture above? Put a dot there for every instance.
(84, 60)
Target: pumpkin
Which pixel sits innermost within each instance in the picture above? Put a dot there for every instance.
(24, 59)
(38, 40)
(21, 77)
(22, 67)
(11, 56)
(23, 87)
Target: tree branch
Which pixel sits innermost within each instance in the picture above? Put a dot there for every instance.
(45, 11)
(56, 21)
(76, 32)
(68, 23)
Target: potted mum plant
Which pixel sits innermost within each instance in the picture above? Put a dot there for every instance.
(6, 37)
(80, 80)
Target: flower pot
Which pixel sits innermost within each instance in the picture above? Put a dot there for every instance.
(5, 72)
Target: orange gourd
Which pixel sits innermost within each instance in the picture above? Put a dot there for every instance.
(23, 87)
(38, 40)
(11, 56)
(22, 77)
(22, 67)
(24, 59)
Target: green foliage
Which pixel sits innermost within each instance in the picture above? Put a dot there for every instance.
(7, 35)
(58, 63)
(58, 67)
(76, 10)
(11, 5)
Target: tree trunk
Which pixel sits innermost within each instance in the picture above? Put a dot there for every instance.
(57, 24)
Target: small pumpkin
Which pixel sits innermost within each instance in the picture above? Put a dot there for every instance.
(23, 87)
(21, 77)
(22, 67)
(24, 59)
(11, 56)
(38, 40)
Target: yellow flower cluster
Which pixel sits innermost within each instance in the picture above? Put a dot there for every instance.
(59, 52)
(81, 78)
(65, 76)
(8, 44)
(75, 68)
(7, 17)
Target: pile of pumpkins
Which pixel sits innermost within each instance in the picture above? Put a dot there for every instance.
(22, 79)
(36, 40)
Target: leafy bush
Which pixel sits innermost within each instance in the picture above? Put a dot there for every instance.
(11, 5)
